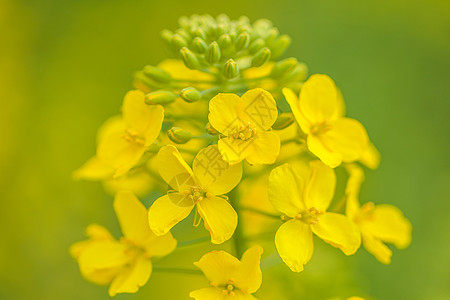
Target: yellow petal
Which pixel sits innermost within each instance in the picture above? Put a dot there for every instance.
(223, 112)
(145, 119)
(249, 276)
(177, 69)
(370, 157)
(318, 99)
(338, 231)
(388, 224)
(132, 277)
(138, 180)
(159, 245)
(285, 191)
(266, 147)
(219, 217)
(164, 214)
(294, 244)
(340, 108)
(293, 101)
(111, 125)
(320, 188)
(113, 149)
(95, 233)
(355, 179)
(235, 150)
(347, 137)
(132, 215)
(94, 169)
(173, 169)
(215, 174)
(326, 155)
(377, 248)
(259, 107)
(102, 255)
(218, 266)
(209, 293)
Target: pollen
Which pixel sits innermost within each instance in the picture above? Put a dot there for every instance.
(244, 132)
(133, 137)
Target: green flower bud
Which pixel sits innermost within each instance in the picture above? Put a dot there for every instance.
(242, 41)
(280, 45)
(256, 45)
(261, 57)
(299, 73)
(143, 82)
(219, 30)
(190, 94)
(272, 35)
(178, 41)
(230, 69)
(213, 53)
(199, 45)
(200, 33)
(284, 67)
(179, 135)
(157, 74)
(225, 41)
(189, 58)
(184, 22)
(160, 97)
(284, 120)
(183, 33)
(166, 36)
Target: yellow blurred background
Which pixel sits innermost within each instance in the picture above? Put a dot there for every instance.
(65, 66)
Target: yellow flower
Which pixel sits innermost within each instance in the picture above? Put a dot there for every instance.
(378, 224)
(122, 144)
(230, 278)
(245, 123)
(320, 113)
(198, 187)
(303, 196)
(124, 264)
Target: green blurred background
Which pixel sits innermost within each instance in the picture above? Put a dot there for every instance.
(65, 65)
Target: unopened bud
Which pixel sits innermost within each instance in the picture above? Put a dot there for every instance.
(280, 45)
(179, 135)
(224, 41)
(283, 121)
(256, 46)
(178, 41)
(157, 74)
(242, 41)
(190, 94)
(213, 53)
(189, 58)
(211, 130)
(284, 67)
(160, 97)
(230, 69)
(199, 45)
(261, 57)
(272, 35)
(299, 73)
(200, 33)
(182, 32)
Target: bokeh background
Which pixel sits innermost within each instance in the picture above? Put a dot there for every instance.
(65, 65)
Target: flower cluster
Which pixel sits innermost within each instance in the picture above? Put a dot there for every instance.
(204, 129)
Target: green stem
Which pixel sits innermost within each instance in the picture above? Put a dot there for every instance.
(194, 241)
(261, 212)
(238, 237)
(177, 270)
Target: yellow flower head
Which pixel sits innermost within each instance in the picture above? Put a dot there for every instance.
(303, 196)
(244, 123)
(230, 278)
(124, 264)
(122, 144)
(319, 110)
(198, 187)
(378, 224)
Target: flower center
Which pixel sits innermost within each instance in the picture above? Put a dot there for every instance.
(229, 288)
(311, 216)
(320, 128)
(133, 137)
(244, 132)
(196, 193)
(365, 212)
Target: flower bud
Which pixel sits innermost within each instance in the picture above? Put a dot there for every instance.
(166, 36)
(280, 45)
(224, 41)
(230, 69)
(272, 35)
(189, 58)
(213, 53)
(160, 97)
(183, 33)
(261, 57)
(199, 45)
(284, 120)
(157, 74)
(284, 67)
(178, 41)
(299, 73)
(200, 33)
(190, 94)
(242, 41)
(211, 130)
(256, 45)
(179, 135)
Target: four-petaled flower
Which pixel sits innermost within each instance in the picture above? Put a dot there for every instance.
(245, 124)
(333, 138)
(124, 264)
(198, 187)
(230, 278)
(378, 224)
(304, 201)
